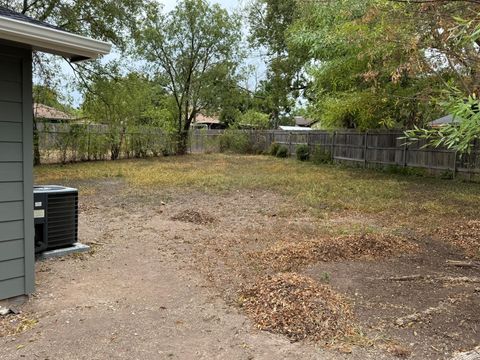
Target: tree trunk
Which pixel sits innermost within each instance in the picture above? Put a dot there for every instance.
(182, 142)
(36, 145)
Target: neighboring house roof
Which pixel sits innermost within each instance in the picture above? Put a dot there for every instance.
(295, 128)
(41, 111)
(301, 121)
(443, 121)
(45, 37)
(203, 119)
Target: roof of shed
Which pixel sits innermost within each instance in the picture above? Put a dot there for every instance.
(301, 121)
(294, 128)
(48, 38)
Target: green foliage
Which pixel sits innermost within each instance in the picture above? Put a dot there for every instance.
(321, 156)
(274, 148)
(254, 119)
(303, 152)
(269, 21)
(459, 135)
(195, 50)
(146, 106)
(282, 152)
(111, 21)
(460, 48)
(369, 66)
(48, 96)
(235, 141)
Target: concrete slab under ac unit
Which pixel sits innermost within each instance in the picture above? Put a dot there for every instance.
(74, 249)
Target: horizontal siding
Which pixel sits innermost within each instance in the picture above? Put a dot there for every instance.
(11, 230)
(15, 109)
(11, 112)
(10, 131)
(10, 91)
(11, 250)
(11, 70)
(11, 191)
(11, 211)
(12, 287)
(11, 269)
(11, 172)
(10, 152)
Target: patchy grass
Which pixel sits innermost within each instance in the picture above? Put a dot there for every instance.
(325, 188)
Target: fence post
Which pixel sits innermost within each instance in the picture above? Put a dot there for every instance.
(333, 145)
(365, 148)
(405, 149)
(290, 143)
(455, 164)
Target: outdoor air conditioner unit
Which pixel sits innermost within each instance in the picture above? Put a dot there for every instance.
(56, 217)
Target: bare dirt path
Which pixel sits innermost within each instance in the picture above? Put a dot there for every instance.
(138, 294)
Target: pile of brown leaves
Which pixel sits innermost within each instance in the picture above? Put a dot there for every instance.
(288, 255)
(195, 217)
(465, 235)
(298, 307)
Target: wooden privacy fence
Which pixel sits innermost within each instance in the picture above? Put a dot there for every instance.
(62, 143)
(68, 143)
(368, 149)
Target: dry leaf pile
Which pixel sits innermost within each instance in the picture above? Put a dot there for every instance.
(465, 235)
(194, 217)
(298, 307)
(288, 255)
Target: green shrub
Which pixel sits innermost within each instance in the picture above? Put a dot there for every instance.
(321, 156)
(235, 141)
(401, 170)
(303, 152)
(282, 152)
(274, 149)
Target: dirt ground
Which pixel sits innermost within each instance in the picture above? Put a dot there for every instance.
(165, 270)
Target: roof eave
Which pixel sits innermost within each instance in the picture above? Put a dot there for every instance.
(52, 40)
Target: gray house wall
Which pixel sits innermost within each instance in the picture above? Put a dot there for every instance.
(16, 173)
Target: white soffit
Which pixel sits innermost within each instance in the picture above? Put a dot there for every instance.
(51, 40)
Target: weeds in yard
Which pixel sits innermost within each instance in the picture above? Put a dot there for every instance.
(329, 188)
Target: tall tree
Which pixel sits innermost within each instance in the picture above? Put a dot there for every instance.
(269, 22)
(365, 69)
(379, 63)
(195, 47)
